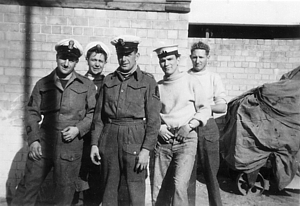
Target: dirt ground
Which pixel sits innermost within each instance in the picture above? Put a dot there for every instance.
(231, 196)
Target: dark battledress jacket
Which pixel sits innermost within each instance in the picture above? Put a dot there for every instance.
(72, 106)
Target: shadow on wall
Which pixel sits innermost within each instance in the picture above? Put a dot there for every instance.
(46, 191)
(16, 170)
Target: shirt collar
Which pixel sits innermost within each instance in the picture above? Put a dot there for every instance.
(54, 78)
(135, 72)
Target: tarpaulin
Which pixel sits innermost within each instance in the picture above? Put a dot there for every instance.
(261, 122)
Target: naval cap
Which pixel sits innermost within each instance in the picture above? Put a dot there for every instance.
(125, 44)
(98, 47)
(167, 50)
(69, 47)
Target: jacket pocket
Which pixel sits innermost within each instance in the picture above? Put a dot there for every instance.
(70, 157)
(133, 149)
(130, 157)
(78, 97)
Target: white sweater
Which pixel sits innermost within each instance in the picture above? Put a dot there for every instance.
(213, 86)
(183, 98)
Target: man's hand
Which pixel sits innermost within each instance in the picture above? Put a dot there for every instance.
(69, 133)
(183, 132)
(35, 151)
(165, 133)
(95, 156)
(142, 160)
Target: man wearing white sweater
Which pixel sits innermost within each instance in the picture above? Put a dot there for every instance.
(184, 108)
(208, 136)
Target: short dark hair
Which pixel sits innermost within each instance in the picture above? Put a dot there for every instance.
(200, 45)
(97, 50)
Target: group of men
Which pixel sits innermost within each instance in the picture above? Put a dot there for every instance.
(96, 133)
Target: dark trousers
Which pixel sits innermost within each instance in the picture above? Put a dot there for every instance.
(119, 146)
(65, 174)
(90, 173)
(209, 159)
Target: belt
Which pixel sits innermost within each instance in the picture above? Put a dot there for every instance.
(126, 121)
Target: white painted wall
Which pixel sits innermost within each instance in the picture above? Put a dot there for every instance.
(253, 12)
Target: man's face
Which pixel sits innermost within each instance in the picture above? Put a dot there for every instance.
(128, 61)
(199, 59)
(96, 62)
(65, 65)
(169, 64)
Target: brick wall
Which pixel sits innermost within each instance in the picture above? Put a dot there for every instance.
(247, 63)
(27, 39)
(28, 35)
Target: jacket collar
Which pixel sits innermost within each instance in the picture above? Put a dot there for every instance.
(54, 79)
(137, 74)
(115, 78)
(94, 77)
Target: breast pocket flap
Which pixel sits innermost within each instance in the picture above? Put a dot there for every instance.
(70, 156)
(133, 149)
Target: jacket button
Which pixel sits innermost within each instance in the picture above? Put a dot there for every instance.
(134, 152)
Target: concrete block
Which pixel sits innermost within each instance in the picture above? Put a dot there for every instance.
(4, 79)
(223, 58)
(94, 22)
(240, 76)
(57, 11)
(141, 24)
(13, 88)
(67, 30)
(68, 12)
(99, 31)
(14, 18)
(87, 31)
(119, 23)
(174, 16)
(123, 14)
(151, 33)
(46, 29)
(131, 31)
(79, 12)
(77, 31)
(252, 59)
(55, 20)
(12, 9)
(78, 21)
(173, 34)
(13, 27)
(180, 25)
(161, 33)
(160, 24)
(101, 14)
(56, 30)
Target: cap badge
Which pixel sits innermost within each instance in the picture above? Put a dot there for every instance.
(164, 53)
(98, 46)
(121, 41)
(71, 45)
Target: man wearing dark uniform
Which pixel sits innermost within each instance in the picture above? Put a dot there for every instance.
(64, 101)
(125, 125)
(96, 55)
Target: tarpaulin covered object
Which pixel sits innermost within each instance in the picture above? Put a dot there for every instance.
(261, 122)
